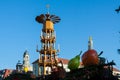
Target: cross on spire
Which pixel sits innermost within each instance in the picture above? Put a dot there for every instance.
(48, 7)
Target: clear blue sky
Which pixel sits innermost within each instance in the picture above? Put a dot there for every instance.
(79, 20)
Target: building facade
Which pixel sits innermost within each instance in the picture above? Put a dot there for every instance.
(37, 70)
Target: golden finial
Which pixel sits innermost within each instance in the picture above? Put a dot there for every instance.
(90, 38)
(47, 6)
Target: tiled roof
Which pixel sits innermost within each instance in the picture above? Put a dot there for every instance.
(115, 69)
(65, 61)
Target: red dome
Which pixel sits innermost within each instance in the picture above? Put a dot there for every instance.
(90, 57)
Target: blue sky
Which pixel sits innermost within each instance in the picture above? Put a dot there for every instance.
(79, 20)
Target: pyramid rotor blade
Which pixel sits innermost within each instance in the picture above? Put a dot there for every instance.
(38, 19)
(42, 16)
(52, 16)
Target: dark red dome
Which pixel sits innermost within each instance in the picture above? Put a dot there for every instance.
(90, 57)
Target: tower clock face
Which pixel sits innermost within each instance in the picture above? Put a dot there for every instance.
(26, 57)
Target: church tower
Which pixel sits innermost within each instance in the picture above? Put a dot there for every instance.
(48, 51)
(26, 62)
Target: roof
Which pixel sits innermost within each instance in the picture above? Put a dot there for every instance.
(65, 61)
(115, 69)
(36, 61)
